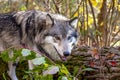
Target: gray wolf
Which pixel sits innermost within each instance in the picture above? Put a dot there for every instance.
(36, 30)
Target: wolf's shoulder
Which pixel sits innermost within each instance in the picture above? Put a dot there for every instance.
(6, 15)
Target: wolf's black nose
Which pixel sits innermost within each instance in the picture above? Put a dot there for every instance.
(66, 53)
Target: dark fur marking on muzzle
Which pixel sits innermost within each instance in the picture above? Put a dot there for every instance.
(45, 53)
(59, 54)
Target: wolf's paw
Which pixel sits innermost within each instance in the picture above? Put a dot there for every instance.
(12, 75)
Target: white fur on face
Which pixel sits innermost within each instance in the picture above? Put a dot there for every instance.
(64, 46)
(59, 47)
(68, 44)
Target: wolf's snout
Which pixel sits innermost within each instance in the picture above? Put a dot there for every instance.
(66, 53)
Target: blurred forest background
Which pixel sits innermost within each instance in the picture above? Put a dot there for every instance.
(99, 20)
(99, 27)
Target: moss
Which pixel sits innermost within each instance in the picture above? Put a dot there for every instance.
(21, 67)
(3, 70)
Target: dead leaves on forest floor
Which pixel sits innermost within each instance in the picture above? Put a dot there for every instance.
(105, 61)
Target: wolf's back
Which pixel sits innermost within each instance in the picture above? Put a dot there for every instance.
(9, 31)
(7, 22)
(23, 27)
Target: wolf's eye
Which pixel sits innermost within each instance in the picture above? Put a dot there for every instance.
(70, 38)
(73, 44)
(57, 38)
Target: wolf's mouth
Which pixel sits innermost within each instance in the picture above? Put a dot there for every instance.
(61, 57)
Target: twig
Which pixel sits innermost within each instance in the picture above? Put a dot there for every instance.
(115, 35)
(110, 22)
(26, 4)
(97, 42)
(87, 23)
(57, 9)
(77, 8)
(93, 14)
(115, 43)
(79, 71)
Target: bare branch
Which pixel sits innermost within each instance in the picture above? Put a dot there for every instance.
(57, 8)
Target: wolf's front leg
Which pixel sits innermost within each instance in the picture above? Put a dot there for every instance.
(12, 72)
(12, 68)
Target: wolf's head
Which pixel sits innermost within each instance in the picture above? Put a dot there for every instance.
(62, 34)
(41, 28)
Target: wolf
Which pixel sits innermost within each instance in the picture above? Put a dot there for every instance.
(37, 30)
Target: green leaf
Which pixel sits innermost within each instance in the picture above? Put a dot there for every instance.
(23, 7)
(39, 61)
(16, 54)
(64, 78)
(25, 77)
(76, 68)
(31, 56)
(26, 52)
(5, 56)
(51, 70)
(28, 72)
(47, 77)
(87, 69)
(4, 77)
(64, 70)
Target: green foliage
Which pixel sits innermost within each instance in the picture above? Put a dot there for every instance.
(43, 70)
(64, 71)
(88, 69)
(75, 71)
(4, 76)
(4, 55)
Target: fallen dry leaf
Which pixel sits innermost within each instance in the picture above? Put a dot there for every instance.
(113, 63)
(94, 53)
(92, 64)
(110, 55)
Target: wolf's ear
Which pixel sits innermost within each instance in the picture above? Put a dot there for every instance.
(49, 21)
(73, 22)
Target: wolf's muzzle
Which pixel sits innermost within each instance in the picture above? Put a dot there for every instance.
(66, 53)
(62, 57)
